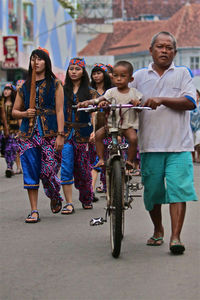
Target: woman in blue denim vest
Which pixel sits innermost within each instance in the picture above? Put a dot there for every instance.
(41, 142)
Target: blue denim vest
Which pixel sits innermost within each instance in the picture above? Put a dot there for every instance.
(79, 122)
(46, 111)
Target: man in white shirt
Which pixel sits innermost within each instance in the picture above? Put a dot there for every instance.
(165, 138)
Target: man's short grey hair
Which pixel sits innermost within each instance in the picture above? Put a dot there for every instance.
(154, 38)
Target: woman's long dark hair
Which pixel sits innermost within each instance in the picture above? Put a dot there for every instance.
(83, 91)
(48, 68)
(106, 80)
(13, 94)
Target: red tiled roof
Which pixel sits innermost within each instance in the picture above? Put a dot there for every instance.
(94, 47)
(90, 21)
(135, 36)
(163, 8)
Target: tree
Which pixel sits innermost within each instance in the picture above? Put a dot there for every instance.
(67, 5)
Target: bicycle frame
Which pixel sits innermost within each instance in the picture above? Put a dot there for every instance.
(115, 152)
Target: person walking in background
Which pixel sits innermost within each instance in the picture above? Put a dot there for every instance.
(41, 141)
(195, 125)
(76, 165)
(165, 138)
(3, 126)
(101, 82)
(110, 71)
(11, 146)
(19, 169)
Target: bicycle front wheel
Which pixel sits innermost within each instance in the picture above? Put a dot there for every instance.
(116, 207)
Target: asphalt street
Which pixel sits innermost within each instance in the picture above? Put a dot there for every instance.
(63, 258)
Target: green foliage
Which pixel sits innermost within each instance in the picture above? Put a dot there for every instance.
(67, 5)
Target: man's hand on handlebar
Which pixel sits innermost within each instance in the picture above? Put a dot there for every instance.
(153, 102)
(135, 102)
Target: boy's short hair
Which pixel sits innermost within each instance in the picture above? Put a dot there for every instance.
(125, 64)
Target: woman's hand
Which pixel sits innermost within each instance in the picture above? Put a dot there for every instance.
(85, 103)
(30, 113)
(92, 137)
(59, 143)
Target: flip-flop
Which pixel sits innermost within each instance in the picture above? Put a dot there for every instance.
(137, 172)
(66, 210)
(176, 247)
(87, 206)
(156, 241)
(30, 219)
(100, 165)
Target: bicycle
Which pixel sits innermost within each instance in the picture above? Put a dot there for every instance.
(119, 186)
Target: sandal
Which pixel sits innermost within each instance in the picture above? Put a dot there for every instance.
(176, 247)
(99, 189)
(155, 241)
(66, 210)
(87, 206)
(30, 219)
(100, 164)
(9, 173)
(56, 206)
(137, 172)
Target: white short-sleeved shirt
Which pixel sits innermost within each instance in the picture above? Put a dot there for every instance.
(130, 117)
(165, 129)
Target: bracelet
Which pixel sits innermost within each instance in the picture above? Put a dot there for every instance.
(61, 133)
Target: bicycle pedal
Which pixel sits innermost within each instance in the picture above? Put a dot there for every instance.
(96, 221)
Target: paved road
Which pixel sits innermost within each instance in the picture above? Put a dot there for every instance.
(63, 258)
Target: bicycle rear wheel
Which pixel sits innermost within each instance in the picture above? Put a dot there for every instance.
(116, 208)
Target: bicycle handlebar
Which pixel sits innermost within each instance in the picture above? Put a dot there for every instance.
(92, 108)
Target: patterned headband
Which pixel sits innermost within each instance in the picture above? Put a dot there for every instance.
(20, 82)
(80, 62)
(10, 86)
(109, 65)
(103, 67)
(44, 50)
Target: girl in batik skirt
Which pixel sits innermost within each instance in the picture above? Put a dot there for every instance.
(76, 167)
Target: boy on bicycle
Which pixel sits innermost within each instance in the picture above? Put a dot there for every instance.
(127, 119)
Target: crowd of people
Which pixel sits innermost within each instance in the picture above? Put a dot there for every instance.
(41, 125)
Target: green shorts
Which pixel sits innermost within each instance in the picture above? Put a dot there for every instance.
(167, 178)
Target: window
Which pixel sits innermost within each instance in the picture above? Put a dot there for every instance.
(194, 63)
(28, 21)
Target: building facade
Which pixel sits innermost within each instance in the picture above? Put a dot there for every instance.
(130, 40)
(35, 23)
